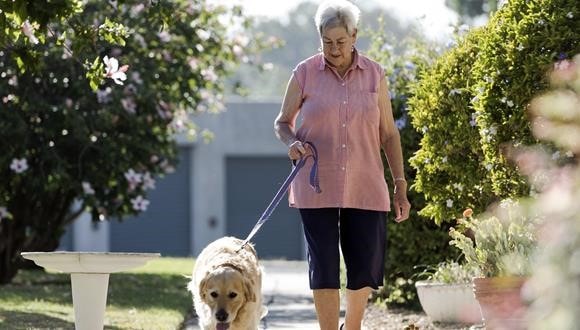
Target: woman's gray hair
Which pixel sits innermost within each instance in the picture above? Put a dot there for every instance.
(333, 13)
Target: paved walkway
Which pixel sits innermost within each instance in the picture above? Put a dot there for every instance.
(287, 296)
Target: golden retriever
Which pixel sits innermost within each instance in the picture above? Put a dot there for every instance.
(227, 286)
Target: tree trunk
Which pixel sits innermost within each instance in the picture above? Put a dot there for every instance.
(37, 225)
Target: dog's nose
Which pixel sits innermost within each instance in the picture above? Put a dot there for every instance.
(221, 315)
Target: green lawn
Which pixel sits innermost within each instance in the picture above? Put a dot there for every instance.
(151, 297)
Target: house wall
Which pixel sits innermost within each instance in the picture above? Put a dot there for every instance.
(245, 149)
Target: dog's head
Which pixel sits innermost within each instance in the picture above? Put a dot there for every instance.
(225, 290)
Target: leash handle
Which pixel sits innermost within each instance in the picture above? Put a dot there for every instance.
(314, 183)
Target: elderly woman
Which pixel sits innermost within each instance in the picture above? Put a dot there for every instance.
(346, 114)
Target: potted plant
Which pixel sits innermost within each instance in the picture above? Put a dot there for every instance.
(504, 241)
(446, 295)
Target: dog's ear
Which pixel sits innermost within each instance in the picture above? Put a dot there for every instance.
(249, 290)
(202, 289)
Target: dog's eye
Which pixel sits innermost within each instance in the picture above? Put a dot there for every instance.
(214, 294)
(232, 295)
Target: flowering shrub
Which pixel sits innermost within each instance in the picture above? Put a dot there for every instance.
(415, 241)
(92, 97)
(504, 241)
(472, 102)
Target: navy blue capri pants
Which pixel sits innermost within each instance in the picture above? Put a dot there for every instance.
(361, 235)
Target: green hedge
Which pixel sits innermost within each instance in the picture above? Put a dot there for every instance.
(470, 105)
(416, 241)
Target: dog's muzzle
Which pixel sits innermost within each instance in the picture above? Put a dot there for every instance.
(222, 316)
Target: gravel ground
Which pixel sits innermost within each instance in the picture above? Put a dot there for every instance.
(380, 318)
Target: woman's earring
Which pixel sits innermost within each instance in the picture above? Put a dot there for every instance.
(352, 49)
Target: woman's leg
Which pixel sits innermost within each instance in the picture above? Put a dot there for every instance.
(327, 303)
(356, 303)
(362, 239)
(322, 238)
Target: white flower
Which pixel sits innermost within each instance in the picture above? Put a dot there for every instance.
(164, 110)
(167, 168)
(520, 47)
(401, 123)
(570, 15)
(203, 34)
(473, 121)
(139, 203)
(133, 178)
(193, 63)
(164, 36)
(28, 31)
(510, 103)
(148, 181)
(136, 10)
(444, 159)
(209, 74)
(19, 165)
(136, 77)
(4, 214)
(458, 186)
(569, 154)
(455, 91)
(87, 189)
(424, 129)
(113, 71)
(104, 96)
(488, 167)
(129, 105)
(556, 155)
(449, 203)
(179, 121)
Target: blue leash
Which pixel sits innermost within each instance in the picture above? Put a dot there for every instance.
(314, 183)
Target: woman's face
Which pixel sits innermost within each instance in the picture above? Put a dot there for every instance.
(337, 46)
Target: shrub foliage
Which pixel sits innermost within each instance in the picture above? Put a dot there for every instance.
(470, 105)
(78, 126)
(415, 241)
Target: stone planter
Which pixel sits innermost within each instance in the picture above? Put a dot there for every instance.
(501, 302)
(449, 303)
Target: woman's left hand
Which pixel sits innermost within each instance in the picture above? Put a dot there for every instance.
(400, 201)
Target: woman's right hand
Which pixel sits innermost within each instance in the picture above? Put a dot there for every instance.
(296, 150)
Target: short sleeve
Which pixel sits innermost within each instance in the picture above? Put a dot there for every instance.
(299, 73)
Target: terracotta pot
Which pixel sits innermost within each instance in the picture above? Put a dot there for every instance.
(450, 303)
(501, 302)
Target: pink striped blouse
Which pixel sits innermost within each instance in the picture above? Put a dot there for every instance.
(341, 118)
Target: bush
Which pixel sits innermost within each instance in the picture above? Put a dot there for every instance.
(414, 241)
(503, 243)
(64, 142)
(472, 102)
